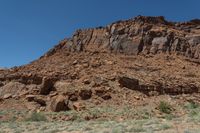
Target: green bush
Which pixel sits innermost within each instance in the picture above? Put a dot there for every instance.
(165, 107)
(35, 117)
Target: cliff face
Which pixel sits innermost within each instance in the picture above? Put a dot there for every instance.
(143, 57)
(141, 35)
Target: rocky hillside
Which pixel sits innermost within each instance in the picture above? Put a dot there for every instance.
(128, 62)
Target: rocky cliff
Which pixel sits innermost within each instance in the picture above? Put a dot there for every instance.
(141, 35)
(126, 62)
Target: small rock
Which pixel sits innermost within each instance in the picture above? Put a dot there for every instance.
(53, 94)
(78, 106)
(73, 98)
(7, 96)
(40, 100)
(96, 64)
(1, 84)
(86, 81)
(75, 62)
(100, 91)
(85, 94)
(109, 62)
(137, 97)
(30, 98)
(85, 65)
(106, 96)
(99, 81)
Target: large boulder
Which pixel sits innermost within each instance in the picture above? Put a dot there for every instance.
(47, 86)
(66, 88)
(130, 83)
(59, 103)
(12, 88)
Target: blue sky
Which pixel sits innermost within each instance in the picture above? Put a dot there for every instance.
(29, 28)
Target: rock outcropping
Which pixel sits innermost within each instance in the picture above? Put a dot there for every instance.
(141, 35)
(146, 56)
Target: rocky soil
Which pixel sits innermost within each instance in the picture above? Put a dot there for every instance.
(138, 62)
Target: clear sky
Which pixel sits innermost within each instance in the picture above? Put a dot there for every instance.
(29, 28)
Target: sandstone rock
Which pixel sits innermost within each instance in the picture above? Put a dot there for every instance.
(59, 103)
(130, 83)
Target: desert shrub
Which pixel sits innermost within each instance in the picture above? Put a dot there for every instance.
(35, 117)
(165, 107)
(191, 105)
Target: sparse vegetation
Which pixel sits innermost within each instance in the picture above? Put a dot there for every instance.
(191, 105)
(36, 117)
(165, 126)
(165, 107)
